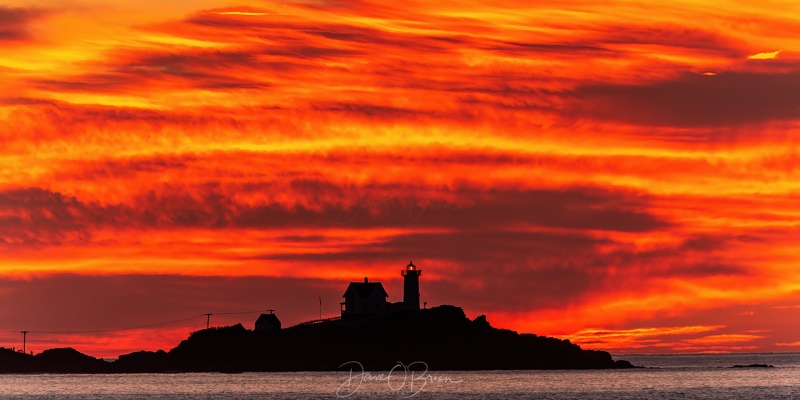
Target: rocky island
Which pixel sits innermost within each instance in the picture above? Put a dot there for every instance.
(371, 331)
(441, 337)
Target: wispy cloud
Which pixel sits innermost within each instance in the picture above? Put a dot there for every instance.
(764, 56)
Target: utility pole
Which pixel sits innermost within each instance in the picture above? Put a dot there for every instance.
(24, 340)
(208, 320)
(320, 308)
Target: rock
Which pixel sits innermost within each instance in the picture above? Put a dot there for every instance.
(622, 364)
(69, 360)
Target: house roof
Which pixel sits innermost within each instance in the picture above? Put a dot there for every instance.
(268, 318)
(365, 289)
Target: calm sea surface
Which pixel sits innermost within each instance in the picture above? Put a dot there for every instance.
(672, 377)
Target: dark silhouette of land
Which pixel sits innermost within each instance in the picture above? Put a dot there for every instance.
(53, 360)
(442, 337)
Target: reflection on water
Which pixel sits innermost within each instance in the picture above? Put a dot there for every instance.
(678, 376)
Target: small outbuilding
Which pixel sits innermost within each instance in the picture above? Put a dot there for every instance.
(268, 323)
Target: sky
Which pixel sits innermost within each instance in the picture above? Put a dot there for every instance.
(620, 174)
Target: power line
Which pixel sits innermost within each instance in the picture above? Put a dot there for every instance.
(123, 329)
(240, 312)
(207, 315)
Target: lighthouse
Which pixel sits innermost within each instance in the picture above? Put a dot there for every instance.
(411, 286)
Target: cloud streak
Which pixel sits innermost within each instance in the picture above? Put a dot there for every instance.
(692, 100)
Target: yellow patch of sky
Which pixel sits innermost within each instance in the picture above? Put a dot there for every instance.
(764, 56)
(644, 332)
(175, 40)
(724, 338)
(102, 99)
(60, 60)
(728, 223)
(703, 291)
(483, 58)
(645, 302)
(245, 13)
(20, 169)
(118, 265)
(680, 293)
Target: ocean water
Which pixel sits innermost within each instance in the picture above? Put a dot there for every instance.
(669, 377)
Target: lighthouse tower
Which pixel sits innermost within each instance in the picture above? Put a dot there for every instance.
(411, 286)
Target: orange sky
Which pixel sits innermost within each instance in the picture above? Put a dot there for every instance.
(624, 175)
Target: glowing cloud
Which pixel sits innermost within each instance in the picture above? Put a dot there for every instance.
(725, 338)
(764, 56)
(248, 13)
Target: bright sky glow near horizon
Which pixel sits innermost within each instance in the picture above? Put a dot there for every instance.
(622, 174)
